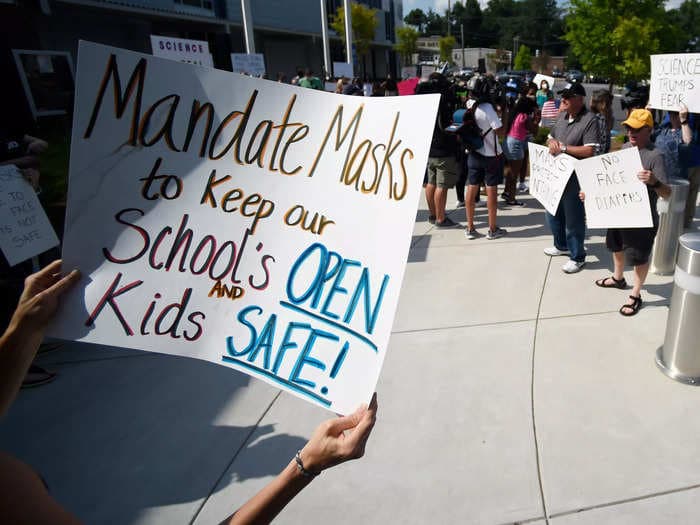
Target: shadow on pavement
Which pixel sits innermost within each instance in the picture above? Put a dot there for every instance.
(114, 438)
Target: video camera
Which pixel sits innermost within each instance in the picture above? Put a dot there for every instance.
(486, 89)
(637, 97)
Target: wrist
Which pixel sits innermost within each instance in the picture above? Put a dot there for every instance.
(684, 122)
(305, 466)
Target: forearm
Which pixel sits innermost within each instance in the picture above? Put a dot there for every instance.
(266, 504)
(686, 133)
(663, 191)
(18, 346)
(580, 152)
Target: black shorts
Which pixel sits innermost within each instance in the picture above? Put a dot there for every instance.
(636, 243)
(480, 170)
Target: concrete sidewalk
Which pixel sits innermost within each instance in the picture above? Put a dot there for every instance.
(511, 393)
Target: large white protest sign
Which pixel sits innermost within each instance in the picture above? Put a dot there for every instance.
(25, 230)
(675, 80)
(539, 77)
(250, 63)
(256, 225)
(548, 175)
(615, 197)
(182, 50)
(342, 69)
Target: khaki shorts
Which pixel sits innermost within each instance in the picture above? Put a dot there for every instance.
(442, 171)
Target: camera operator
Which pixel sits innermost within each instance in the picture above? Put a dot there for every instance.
(442, 159)
(484, 163)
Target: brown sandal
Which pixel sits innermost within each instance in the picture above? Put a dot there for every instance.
(633, 308)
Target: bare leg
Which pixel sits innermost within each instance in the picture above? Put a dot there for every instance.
(430, 197)
(440, 203)
(618, 265)
(470, 205)
(492, 203)
(640, 275)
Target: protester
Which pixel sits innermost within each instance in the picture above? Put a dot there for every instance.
(353, 88)
(521, 122)
(575, 133)
(295, 80)
(25, 498)
(340, 85)
(21, 150)
(442, 163)
(601, 107)
(484, 164)
(390, 87)
(550, 112)
(669, 137)
(635, 244)
(310, 81)
(543, 94)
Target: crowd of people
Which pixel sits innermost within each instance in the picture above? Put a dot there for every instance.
(507, 118)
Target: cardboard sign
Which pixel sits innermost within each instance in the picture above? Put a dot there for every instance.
(548, 175)
(342, 69)
(615, 197)
(675, 80)
(182, 50)
(25, 230)
(252, 224)
(249, 63)
(539, 77)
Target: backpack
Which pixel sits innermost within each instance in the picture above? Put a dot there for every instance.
(465, 127)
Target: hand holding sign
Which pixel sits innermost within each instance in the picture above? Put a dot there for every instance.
(548, 175)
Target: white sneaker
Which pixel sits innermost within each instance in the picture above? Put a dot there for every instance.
(523, 186)
(553, 251)
(459, 204)
(572, 266)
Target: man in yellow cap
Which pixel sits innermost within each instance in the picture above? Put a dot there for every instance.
(635, 244)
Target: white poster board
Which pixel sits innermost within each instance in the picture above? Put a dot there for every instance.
(248, 223)
(409, 72)
(182, 50)
(675, 80)
(25, 230)
(249, 63)
(548, 175)
(615, 197)
(342, 69)
(539, 77)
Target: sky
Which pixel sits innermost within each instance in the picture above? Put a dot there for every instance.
(441, 5)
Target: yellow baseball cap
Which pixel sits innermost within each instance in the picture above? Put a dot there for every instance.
(639, 118)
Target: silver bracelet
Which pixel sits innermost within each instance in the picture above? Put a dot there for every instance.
(300, 467)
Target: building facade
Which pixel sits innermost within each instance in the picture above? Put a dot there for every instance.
(286, 32)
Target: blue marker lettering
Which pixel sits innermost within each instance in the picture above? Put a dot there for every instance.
(265, 341)
(336, 288)
(287, 344)
(304, 358)
(370, 313)
(230, 348)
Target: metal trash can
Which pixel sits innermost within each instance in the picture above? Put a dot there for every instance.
(671, 210)
(679, 357)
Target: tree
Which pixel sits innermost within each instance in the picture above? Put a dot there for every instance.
(364, 26)
(406, 43)
(468, 15)
(614, 38)
(446, 44)
(523, 60)
(434, 24)
(416, 17)
(685, 21)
